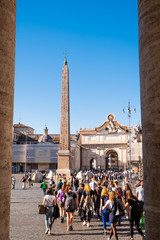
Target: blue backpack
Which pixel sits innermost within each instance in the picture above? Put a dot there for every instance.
(69, 203)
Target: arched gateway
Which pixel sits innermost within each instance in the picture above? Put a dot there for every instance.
(111, 159)
(93, 164)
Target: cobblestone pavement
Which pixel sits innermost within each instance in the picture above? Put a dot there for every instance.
(27, 224)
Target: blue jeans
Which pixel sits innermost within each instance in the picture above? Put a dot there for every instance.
(119, 220)
(44, 192)
(105, 218)
(48, 217)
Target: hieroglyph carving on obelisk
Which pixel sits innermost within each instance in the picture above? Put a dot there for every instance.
(64, 154)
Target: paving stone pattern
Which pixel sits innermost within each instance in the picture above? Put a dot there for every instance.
(27, 224)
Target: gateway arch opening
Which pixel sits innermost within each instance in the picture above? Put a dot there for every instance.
(111, 159)
(93, 164)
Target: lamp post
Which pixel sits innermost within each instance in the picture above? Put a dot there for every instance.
(110, 160)
(139, 167)
(25, 168)
(129, 118)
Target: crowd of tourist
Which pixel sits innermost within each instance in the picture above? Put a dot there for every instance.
(104, 195)
(108, 197)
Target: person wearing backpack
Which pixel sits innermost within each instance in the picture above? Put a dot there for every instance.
(140, 194)
(104, 213)
(71, 204)
(135, 212)
(111, 206)
(59, 184)
(61, 195)
(44, 187)
(87, 204)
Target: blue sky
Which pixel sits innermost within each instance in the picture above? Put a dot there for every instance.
(101, 38)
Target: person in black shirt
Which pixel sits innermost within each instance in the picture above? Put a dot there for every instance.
(79, 195)
(104, 213)
(98, 191)
(134, 212)
(119, 195)
(76, 184)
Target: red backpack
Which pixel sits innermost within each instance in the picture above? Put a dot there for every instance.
(119, 192)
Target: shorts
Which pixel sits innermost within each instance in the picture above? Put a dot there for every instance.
(70, 211)
(112, 217)
(61, 204)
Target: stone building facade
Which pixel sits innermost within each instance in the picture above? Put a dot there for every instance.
(100, 148)
(106, 146)
(36, 151)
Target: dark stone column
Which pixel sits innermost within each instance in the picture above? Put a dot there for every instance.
(149, 56)
(7, 68)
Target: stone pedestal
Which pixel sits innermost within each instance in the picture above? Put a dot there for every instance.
(64, 157)
(64, 172)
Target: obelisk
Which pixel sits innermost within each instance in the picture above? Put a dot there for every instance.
(64, 154)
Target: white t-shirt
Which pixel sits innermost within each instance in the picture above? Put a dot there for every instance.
(140, 191)
(110, 204)
(49, 200)
(13, 179)
(93, 185)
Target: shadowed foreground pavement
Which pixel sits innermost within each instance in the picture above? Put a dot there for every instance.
(27, 224)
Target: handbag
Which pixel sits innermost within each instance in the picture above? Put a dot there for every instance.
(56, 212)
(80, 212)
(41, 209)
(143, 223)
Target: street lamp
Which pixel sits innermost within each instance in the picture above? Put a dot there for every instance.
(129, 117)
(139, 172)
(25, 168)
(110, 160)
